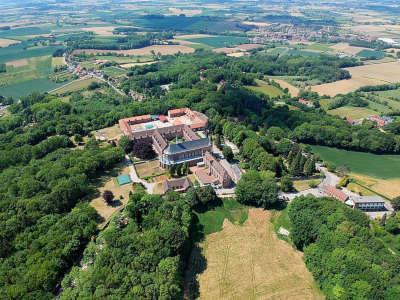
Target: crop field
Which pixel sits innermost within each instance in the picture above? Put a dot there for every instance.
(7, 42)
(74, 86)
(346, 48)
(23, 31)
(26, 87)
(249, 262)
(17, 51)
(219, 41)
(267, 89)
(373, 165)
(319, 47)
(101, 30)
(157, 49)
(389, 188)
(352, 112)
(27, 75)
(372, 74)
(114, 71)
(371, 54)
(58, 61)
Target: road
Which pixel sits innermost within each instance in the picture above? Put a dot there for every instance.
(329, 179)
(135, 178)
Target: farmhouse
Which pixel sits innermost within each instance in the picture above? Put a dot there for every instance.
(307, 103)
(176, 138)
(367, 203)
(381, 120)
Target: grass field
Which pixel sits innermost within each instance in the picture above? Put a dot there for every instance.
(213, 220)
(378, 166)
(249, 262)
(267, 89)
(75, 86)
(352, 112)
(146, 51)
(24, 88)
(319, 47)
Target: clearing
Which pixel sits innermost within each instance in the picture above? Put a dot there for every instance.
(389, 188)
(372, 74)
(248, 262)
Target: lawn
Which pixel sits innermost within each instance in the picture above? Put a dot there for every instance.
(219, 41)
(378, 166)
(149, 169)
(352, 112)
(302, 185)
(213, 220)
(267, 89)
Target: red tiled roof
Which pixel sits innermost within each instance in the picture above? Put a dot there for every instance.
(335, 193)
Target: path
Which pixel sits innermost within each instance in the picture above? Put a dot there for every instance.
(135, 178)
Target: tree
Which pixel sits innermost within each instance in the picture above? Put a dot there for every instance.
(217, 141)
(108, 196)
(309, 166)
(297, 164)
(286, 184)
(252, 189)
(126, 144)
(143, 149)
(228, 153)
(396, 203)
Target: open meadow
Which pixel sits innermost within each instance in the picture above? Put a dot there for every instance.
(372, 74)
(352, 112)
(293, 91)
(249, 262)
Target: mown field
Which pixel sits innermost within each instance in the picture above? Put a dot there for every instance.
(378, 166)
(24, 88)
(249, 262)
